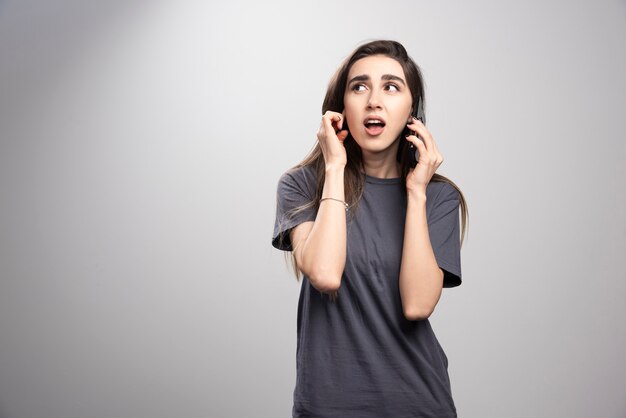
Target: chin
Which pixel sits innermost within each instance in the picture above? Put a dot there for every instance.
(375, 143)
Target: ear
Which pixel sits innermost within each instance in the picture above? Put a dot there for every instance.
(411, 114)
(345, 121)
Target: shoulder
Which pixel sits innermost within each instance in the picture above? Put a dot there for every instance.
(440, 191)
(304, 174)
(301, 178)
(299, 175)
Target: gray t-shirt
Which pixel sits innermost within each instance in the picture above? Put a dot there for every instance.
(359, 356)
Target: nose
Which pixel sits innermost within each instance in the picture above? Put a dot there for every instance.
(374, 101)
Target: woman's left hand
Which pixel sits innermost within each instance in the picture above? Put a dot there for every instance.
(429, 158)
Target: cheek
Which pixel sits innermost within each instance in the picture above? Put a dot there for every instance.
(403, 116)
(353, 123)
(405, 108)
(352, 118)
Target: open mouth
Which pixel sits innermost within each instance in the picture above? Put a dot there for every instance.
(374, 125)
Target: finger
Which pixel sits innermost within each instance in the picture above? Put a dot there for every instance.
(333, 120)
(415, 140)
(339, 123)
(438, 155)
(429, 156)
(342, 135)
(419, 144)
(417, 126)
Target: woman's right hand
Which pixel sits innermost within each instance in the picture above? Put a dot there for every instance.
(331, 137)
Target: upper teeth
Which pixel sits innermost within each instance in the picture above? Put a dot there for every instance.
(374, 121)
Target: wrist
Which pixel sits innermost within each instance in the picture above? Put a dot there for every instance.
(416, 195)
(335, 167)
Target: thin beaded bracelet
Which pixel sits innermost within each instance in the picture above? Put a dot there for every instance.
(337, 200)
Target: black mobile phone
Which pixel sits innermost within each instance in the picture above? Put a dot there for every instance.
(413, 153)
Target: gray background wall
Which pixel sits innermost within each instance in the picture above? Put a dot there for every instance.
(141, 143)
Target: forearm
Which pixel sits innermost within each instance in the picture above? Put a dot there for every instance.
(421, 279)
(324, 250)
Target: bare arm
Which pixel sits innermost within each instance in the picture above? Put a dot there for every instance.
(320, 246)
(421, 279)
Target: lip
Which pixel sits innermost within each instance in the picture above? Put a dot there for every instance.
(375, 117)
(374, 130)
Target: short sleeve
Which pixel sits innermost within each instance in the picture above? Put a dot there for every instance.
(295, 189)
(444, 232)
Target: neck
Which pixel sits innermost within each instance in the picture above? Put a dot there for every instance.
(381, 165)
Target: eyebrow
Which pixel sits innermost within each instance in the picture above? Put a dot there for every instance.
(387, 77)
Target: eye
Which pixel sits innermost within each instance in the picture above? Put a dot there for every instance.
(358, 87)
(392, 87)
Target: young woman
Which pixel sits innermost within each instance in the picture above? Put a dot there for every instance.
(376, 241)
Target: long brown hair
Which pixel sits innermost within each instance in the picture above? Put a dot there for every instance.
(354, 174)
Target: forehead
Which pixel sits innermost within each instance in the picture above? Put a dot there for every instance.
(375, 66)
